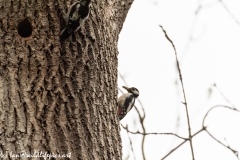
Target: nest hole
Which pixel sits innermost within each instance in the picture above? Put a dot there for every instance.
(25, 28)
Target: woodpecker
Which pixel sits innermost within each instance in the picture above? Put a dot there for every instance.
(126, 101)
(77, 14)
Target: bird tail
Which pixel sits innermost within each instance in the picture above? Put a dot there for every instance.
(65, 34)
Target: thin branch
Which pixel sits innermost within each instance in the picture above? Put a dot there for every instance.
(227, 146)
(215, 85)
(120, 90)
(142, 118)
(217, 106)
(191, 38)
(185, 100)
(131, 145)
(122, 77)
(204, 128)
(183, 143)
(143, 110)
(137, 132)
(229, 12)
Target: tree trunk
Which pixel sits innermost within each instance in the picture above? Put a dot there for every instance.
(59, 98)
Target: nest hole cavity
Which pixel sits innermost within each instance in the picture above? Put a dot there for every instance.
(25, 28)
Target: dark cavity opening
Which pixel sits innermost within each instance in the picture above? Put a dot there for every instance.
(25, 28)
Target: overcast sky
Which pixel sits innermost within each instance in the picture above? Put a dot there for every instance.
(208, 48)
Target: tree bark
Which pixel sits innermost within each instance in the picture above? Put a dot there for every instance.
(59, 98)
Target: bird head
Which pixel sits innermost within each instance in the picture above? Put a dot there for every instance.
(132, 90)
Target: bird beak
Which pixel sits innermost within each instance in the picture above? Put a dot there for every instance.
(125, 88)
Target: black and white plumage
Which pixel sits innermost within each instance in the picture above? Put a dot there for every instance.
(77, 14)
(126, 101)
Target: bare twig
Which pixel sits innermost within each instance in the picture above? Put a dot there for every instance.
(182, 143)
(142, 118)
(215, 85)
(217, 106)
(229, 12)
(227, 146)
(191, 38)
(122, 77)
(137, 132)
(204, 128)
(131, 145)
(185, 100)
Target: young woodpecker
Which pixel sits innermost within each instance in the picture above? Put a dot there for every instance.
(126, 101)
(77, 14)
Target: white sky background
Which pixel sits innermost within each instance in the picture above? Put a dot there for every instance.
(147, 61)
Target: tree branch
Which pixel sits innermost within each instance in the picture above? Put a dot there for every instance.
(227, 146)
(215, 85)
(229, 12)
(182, 143)
(185, 100)
(131, 146)
(153, 133)
(217, 106)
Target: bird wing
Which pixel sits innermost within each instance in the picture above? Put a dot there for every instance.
(129, 102)
(123, 102)
(121, 99)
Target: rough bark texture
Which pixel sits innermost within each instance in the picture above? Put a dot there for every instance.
(59, 97)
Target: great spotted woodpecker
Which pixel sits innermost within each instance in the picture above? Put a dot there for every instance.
(77, 14)
(126, 101)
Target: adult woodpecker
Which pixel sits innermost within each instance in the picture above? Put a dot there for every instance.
(126, 101)
(77, 14)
